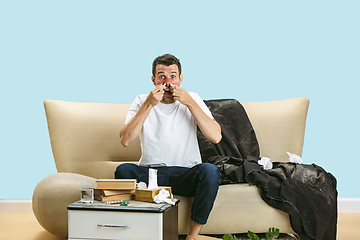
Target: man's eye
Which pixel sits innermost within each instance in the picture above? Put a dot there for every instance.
(173, 76)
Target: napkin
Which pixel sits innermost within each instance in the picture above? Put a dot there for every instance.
(294, 158)
(163, 197)
(265, 162)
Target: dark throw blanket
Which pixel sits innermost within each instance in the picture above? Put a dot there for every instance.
(306, 192)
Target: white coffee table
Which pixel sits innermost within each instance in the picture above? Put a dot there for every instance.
(137, 220)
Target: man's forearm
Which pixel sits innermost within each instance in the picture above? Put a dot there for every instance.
(209, 127)
(132, 129)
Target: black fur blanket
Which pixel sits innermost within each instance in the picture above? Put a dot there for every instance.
(306, 192)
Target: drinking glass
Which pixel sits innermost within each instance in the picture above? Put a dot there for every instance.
(87, 193)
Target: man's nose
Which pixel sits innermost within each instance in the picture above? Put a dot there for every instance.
(167, 81)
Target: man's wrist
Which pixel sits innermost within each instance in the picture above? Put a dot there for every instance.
(191, 103)
(148, 104)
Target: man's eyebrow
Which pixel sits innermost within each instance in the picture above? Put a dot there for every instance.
(164, 72)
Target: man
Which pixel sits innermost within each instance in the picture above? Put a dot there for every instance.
(166, 121)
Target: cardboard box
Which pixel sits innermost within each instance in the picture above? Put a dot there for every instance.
(147, 195)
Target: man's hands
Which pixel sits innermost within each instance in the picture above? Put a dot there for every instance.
(156, 95)
(169, 94)
(181, 95)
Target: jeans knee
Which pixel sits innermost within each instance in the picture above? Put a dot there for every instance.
(210, 170)
(124, 166)
(123, 170)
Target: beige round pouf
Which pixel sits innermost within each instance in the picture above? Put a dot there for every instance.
(51, 197)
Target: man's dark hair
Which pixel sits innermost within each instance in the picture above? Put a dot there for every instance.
(167, 60)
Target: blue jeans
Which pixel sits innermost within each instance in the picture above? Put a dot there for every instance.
(200, 182)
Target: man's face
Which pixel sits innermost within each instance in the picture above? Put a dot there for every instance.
(167, 75)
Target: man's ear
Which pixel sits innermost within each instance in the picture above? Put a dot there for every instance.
(181, 78)
(153, 80)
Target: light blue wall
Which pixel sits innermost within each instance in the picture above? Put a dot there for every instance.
(101, 51)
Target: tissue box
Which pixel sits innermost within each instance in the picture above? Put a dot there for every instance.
(147, 195)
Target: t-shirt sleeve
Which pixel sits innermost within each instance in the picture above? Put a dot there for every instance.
(201, 104)
(134, 108)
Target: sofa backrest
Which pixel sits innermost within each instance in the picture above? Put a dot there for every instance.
(279, 126)
(85, 136)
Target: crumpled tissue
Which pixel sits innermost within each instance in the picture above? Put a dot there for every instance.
(162, 197)
(152, 179)
(265, 162)
(294, 158)
(141, 185)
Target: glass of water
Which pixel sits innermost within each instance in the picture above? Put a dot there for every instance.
(87, 193)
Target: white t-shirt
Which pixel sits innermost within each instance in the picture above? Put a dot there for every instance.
(169, 133)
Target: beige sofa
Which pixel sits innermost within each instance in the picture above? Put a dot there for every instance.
(85, 142)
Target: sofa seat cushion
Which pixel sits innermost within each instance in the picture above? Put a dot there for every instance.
(237, 209)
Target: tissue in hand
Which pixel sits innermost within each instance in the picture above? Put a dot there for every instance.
(294, 158)
(265, 162)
